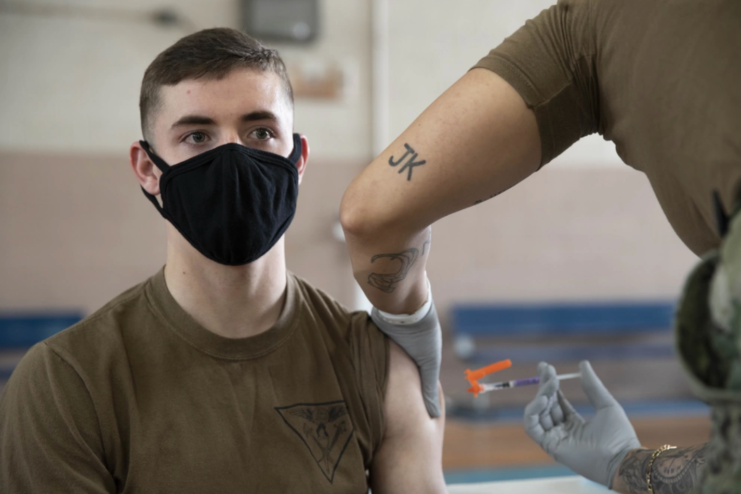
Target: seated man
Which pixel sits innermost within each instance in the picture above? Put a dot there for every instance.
(222, 373)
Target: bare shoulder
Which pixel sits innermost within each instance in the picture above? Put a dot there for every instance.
(409, 459)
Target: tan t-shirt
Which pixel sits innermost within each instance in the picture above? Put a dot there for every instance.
(139, 398)
(659, 78)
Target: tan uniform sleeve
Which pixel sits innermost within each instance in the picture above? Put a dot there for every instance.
(371, 355)
(550, 62)
(49, 431)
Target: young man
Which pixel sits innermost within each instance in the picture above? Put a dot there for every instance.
(222, 373)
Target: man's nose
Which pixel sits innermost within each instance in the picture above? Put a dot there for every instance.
(232, 137)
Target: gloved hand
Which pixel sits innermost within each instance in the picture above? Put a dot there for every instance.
(594, 449)
(423, 342)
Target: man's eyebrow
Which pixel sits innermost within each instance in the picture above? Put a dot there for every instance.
(193, 120)
(259, 115)
(202, 120)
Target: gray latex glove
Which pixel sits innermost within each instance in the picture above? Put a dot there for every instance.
(594, 449)
(423, 342)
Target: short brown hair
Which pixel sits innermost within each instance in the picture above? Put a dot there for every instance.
(210, 54)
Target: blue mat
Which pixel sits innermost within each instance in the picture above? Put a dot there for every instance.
(562, 319)
(24, 330)
(573, 353)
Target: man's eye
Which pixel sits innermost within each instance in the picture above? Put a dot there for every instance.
(197, 137)
(262, 134)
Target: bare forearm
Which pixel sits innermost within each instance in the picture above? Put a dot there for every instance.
(676, 471)
(388, 240)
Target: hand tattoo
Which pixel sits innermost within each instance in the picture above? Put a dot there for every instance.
(410, 163)
(676, 471)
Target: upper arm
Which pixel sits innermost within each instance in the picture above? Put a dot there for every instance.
(527, 101)
(49, 431)
(475, 140)
(551, 63)
(409, 460)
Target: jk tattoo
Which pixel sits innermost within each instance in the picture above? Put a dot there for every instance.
(410, 164)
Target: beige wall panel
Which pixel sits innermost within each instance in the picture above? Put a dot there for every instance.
(74, 231)
(313, 250)
(569, 234)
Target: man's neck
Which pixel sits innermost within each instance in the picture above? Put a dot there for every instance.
(231, 301)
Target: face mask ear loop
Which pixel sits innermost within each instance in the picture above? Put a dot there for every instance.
(155, 159)
(159, 163)
(297, 149)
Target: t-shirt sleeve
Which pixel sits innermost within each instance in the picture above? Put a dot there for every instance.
(49, 431)
(550, 62)
(371, 356)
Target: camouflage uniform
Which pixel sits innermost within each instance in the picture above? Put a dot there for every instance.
(708, 327)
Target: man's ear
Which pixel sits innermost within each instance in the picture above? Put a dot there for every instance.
(146, 171)
(301, 165)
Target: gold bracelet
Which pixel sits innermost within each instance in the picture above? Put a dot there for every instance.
(651, 464)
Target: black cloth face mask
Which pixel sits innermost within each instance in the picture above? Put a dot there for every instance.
(232, 203)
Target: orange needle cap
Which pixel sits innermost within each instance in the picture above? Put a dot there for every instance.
(474, 376)
(475, 389)
(489, 369)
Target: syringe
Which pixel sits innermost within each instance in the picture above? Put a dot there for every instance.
(486, 387)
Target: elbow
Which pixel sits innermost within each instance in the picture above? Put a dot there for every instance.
(359, 215)
(370, 214)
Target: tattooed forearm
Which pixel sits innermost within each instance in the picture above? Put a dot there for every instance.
(410, 164)
(676, 471)
(386, 282)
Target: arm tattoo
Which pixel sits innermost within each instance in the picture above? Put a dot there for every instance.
(387, 282)
(410, 163)
(676, 471)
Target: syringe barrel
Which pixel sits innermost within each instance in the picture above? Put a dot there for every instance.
(526, 382)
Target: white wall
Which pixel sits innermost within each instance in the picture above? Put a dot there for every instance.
(71, 84)
(339, 130)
